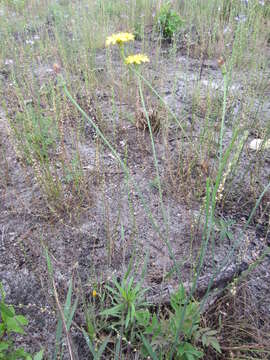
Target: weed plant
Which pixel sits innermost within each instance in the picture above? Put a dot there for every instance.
(10, 324)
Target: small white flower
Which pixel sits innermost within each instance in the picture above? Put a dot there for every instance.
(30, 42)
(8, 62)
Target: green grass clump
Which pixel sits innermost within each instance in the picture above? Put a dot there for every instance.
(36, 133)
(168, 22)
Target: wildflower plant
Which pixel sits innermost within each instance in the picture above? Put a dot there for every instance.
(119, 39)
(127, 299)
(136, 59)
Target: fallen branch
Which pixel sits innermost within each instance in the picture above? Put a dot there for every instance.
(218, 285)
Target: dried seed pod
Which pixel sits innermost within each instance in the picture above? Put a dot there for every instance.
(154, 119)
(56, 68)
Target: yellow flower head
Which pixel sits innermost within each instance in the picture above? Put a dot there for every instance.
(94, 293)
(136, 59)
(119, 38)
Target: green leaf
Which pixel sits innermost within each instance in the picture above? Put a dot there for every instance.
(68, 313)
(16, 324)
(58, 337)
(20, 353)
(127, 319)
(189, 351)
(4, 345)
(102, 348)
(210, 332)
(112, 311)
(89, 343)
(2, 329)
(68, 300)
(39, 355)
(117, 348)
(155, 327)
(71, 314)
(133, 312)
(2, 292)
(189, 356)
(143, 317)
(7, 311)
(119, 287)
(21, 319)
(215, 344)
(149, 348)
(113, 291)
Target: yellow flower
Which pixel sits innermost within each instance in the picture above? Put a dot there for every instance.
(136, 59)
(119, 38)
(94, 293)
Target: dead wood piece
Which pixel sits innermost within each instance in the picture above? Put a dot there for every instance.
(217, 286)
